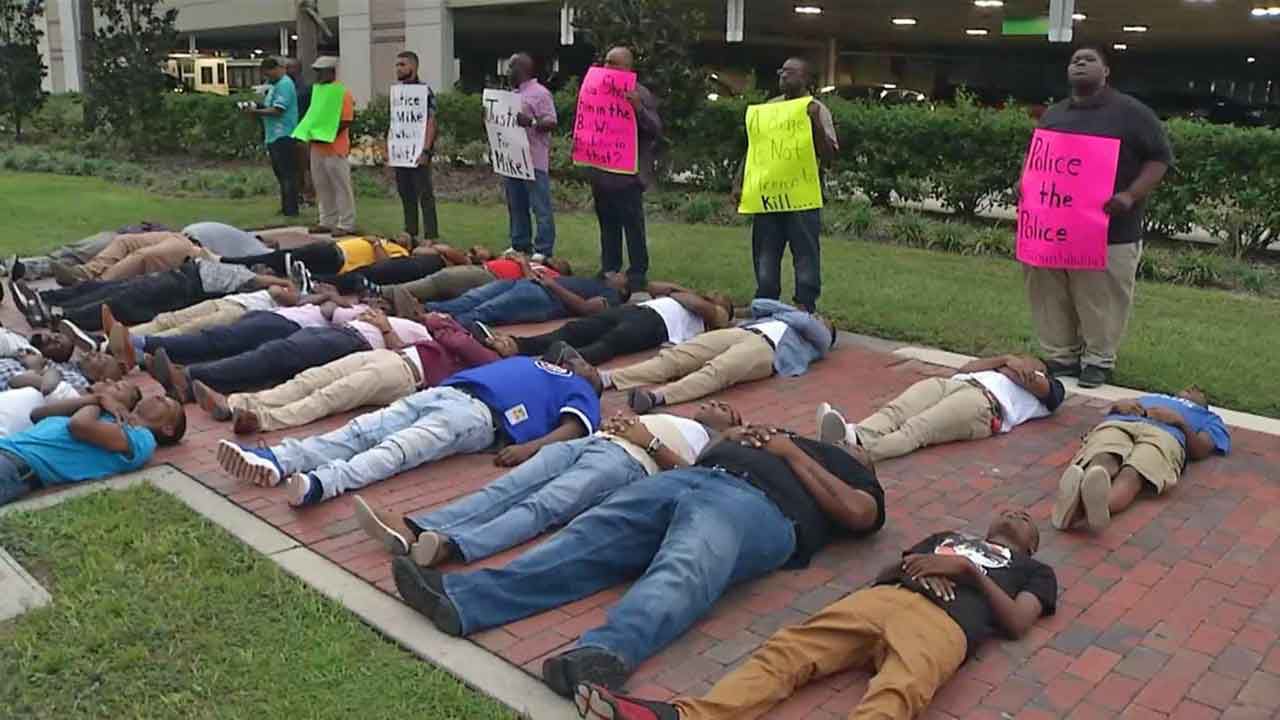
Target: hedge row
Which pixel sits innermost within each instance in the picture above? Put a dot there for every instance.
(966, 157)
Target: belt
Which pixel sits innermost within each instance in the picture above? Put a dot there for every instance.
(356, 333)
(493, 414)
(997, 415)
(25, 472)
(759, 332)
(413, 367)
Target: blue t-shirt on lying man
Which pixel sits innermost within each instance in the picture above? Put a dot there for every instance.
(58, 458)
(530, 396)
(1197, 417)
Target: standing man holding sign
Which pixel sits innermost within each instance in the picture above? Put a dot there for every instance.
(781, 186)
(538, 117)
(326, 126)
(1080, 316)
(417, 102)
(619, 194)
(279, 113)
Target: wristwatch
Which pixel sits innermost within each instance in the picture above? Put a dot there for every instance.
(654, 446)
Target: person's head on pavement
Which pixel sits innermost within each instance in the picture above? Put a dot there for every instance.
(326, 68)
(718, 415)
(479, 255)
(520, 69)
(1014, 528)
(100, 366)
(164, 417)
(273, 69)
(1088, 71)
(620, 58)
(407, 66)
(795, 77)
(559, 264)
(122, 391)
(55, 346)
(618, 282)
(1196, 395)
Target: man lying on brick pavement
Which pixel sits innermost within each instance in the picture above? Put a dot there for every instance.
(529, 403)
(467, 271)
(757, 500)
(675, 315)
(537, 297)
(778, 338)
(1142, 442)
(984, 398)
(46, 359)
(914, 627)
(549, 490)
(375, 377)
(219, 311)
(86, 438)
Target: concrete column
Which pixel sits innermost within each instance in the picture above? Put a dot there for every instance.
(191, 43)
(284, 41)
(833, 60)
(428, 31)
(355, 37)
(69, 26)
(46, 52)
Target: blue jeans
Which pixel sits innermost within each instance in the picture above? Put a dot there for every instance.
(687, 534)
(550, 489)
(14, 482)
(280, 360)
(770, 235)
(418, 429)
(223, 341)
(522, 196)
(503, 302)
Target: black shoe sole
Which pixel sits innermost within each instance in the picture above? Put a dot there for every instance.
(415, 586)
(564, 673)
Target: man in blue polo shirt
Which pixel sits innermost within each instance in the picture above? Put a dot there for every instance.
(1141, 442)
(279, 113)
(525, 402)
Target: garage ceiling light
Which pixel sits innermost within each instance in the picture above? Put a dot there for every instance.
(989, 3)
(1135, 28)
(976, 32)
(1120, 46)
(904, 21)
(1079, 17)
(808, 10)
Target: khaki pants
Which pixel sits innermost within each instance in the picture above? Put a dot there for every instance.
(334, 195)
(912, 644)
(375, 377)
(709, 362)
(141, 253)
(209, 313)
(1081, 315)
(1155, 454)
(444, 284)
(931, 412)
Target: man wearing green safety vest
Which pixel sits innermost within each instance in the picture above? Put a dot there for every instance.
(326, 126)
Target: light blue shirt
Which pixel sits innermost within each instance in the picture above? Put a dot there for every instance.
(283, 96)
(1198, 419)
(806, 340)
(58, 458)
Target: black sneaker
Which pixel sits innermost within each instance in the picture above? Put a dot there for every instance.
(423, 590)
(561, 353)
(566, 671)
(1092, 376)
(1060, 369)
(642, 401)
(77, 335)
(481, 332)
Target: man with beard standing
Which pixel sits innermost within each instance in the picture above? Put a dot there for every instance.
(414, 184)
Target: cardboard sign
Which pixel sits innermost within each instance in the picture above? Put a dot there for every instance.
(604, 129)
(508, 142)
(1066, 179)
(782, 165)
(324, 114)
(407, 136)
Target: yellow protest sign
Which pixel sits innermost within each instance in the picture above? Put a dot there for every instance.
(782, 166)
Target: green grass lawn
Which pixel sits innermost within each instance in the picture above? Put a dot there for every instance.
(1226, 343)
(158, 614)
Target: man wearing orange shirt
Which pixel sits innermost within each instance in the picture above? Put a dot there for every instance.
(329, 167)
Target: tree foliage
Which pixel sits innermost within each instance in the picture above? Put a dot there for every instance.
(662, 34)
(126, 80)
(22, 69)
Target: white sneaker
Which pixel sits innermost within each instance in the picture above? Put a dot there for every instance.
(537, 258)
(247, 464)
(833, 429)
(296, 488)
(1067, 502)
(1095, 495)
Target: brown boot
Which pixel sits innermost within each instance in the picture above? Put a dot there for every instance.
(211, 401)
(245, 422)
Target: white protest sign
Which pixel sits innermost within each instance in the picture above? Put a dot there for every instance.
(408, 132)
(508, 142)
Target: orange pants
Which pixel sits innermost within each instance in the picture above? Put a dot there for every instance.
(912, 644)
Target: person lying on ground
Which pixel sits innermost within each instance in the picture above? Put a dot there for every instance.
(422, 262)
(778, 339)
(273, 362)
(139, 300)
(327, 258)
(38, 267)
(219, 311)
(548, 490)
(129, 256)
(86, 438)
(525, 403)
(48, 360)
(986, 397)
(675, 316)
(223, 341)
(1142, 444)
(757, 500)
(375, 377)
(17, 403)
(466, 272)
(913, 627)
(225, 240)
(536, 298)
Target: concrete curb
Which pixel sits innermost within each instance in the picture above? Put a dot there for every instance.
(468, 662)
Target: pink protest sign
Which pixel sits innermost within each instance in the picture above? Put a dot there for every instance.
(1066, 179)
(604, 130)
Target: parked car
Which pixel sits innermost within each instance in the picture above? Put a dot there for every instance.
(1216, 109)
(881, 94)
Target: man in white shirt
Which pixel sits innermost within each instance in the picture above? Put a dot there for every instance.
(550, 489)
(986, 397)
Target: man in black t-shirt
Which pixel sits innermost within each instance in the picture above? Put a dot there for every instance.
(756, 500)
(916, 625)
